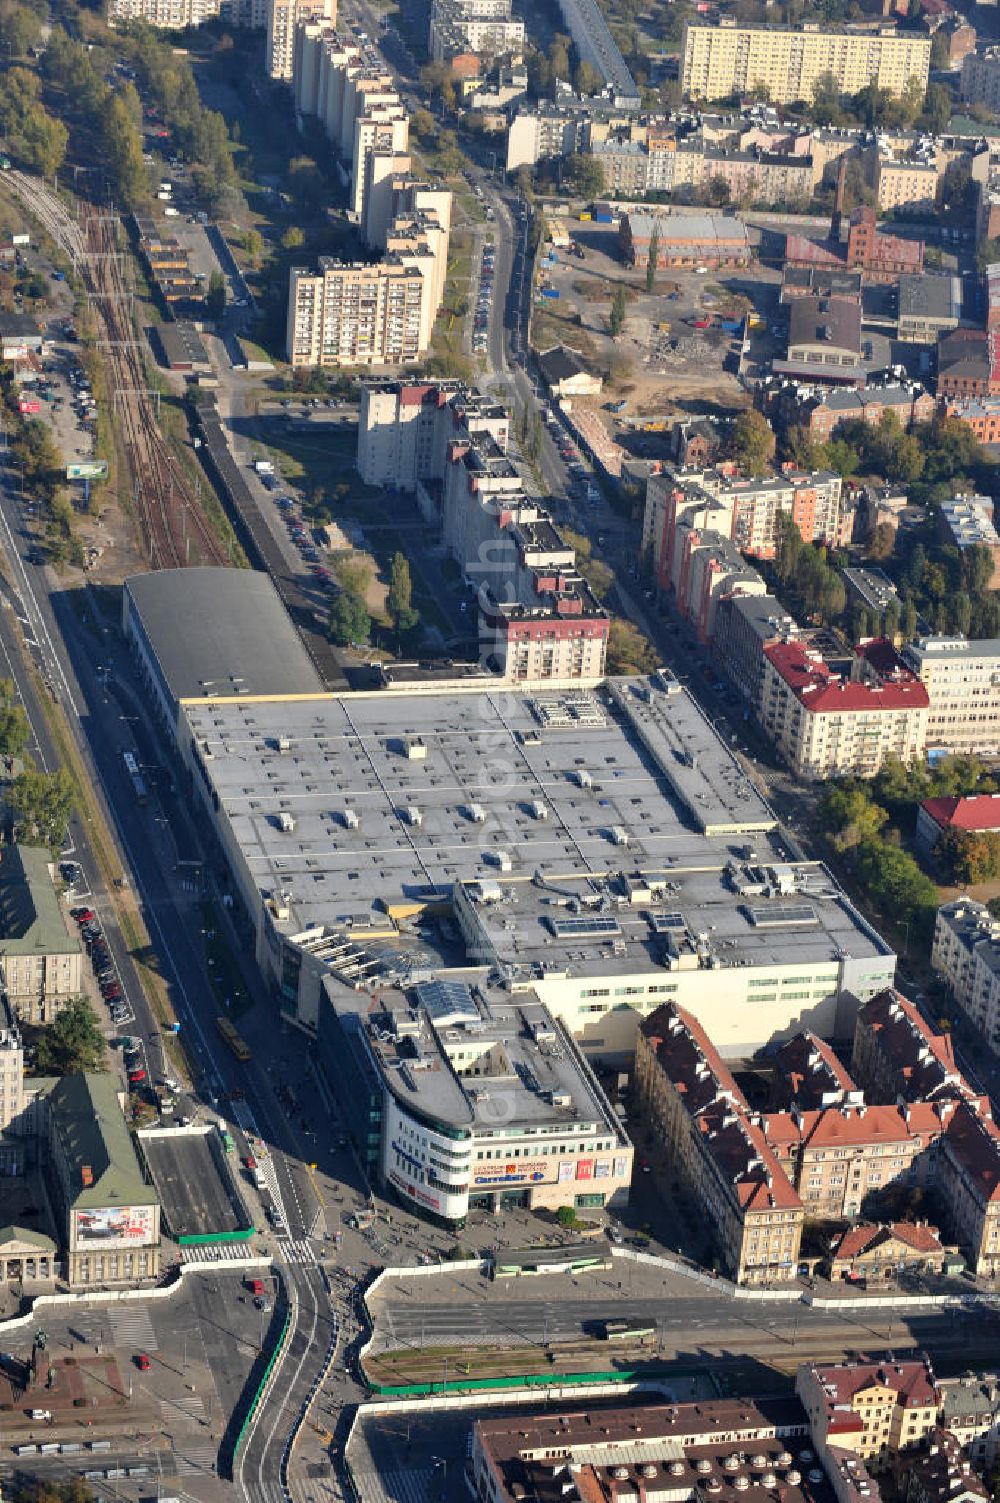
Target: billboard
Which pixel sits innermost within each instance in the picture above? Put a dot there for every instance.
(114, 1226)
(513, 1174)
(93, 469)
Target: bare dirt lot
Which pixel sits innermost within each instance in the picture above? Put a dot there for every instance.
(659, 361)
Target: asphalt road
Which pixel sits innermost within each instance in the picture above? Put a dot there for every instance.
(701, 1325)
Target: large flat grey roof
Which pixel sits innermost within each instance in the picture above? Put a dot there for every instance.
(353, 811)
(221, 631)
(523, 1058)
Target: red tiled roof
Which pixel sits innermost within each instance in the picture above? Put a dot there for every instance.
(913, 1382)
(974, 1141)
(862, 1238)
(923, 1061)
(822, 692)
(808, 1069)
(856, 1126)
(980, 811)
(746, 1161)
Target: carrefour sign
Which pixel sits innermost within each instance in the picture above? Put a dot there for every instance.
(510, 1174)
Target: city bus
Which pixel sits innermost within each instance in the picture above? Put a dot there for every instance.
(135, 777)
(232, 1039)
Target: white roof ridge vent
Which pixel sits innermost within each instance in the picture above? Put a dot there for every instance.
(539, 809)
(286, 822)
(475, 813)
(349, 819)
(413, 816)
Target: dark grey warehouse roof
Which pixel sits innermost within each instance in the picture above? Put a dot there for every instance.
(220, 632)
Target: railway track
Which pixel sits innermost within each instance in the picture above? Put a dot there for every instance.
(174, 527)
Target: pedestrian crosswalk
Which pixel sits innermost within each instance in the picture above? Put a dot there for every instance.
(411, 1486)
(132, 1327)
(217, 1252)
(296, 1250)
(195, 1456)
(190, 1403)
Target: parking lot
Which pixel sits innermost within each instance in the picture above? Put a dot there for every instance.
(484, 298)
(193, 1180)
(103, 964)
(59, 394)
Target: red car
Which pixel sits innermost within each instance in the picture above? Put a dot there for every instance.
(136, 1077)
(256, 1286)
(142, 1362)
(84, 915)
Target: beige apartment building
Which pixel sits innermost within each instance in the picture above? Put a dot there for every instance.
(843, 1160)
(41, 964)
(981, 78)
(283, 16)
(698, 1115)
(966, 953)
(906, 185)
(825, 725)
(875, 1409)
(350, 313)
(171, 15)
(720, 61)
(962, 680)
(970, 1170)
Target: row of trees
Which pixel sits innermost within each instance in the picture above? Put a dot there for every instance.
(200, 135)
(350, 622)
(36, 139)
(888, 876)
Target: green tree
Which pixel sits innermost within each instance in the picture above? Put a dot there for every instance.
(908, 621)
(15, 728)
(253, 244)
(850, 817)
(20, 29)
(616, 318)
(841, 458)
(629, 650)
(422, 125)
(881, 542)
(293, 238)
(586, 174)
(122, 151)
(586, 79)
(43, 804)
(753, 442)
(349, 620)
(718, 191)
(215, 297)
(890, 620)
(559, 59)
(788, 546)
(937, 109)
(399, 600)
(654, 257)
(72, 1042)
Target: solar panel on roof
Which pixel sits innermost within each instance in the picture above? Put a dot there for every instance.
(585, 927)
(782, 915)
(446, 1000)
(665, 923)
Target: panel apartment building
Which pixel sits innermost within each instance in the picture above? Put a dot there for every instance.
(720, 61)
(484, 28)
(283, 17)
(962, 679)
(538, 619)
(360, 313)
